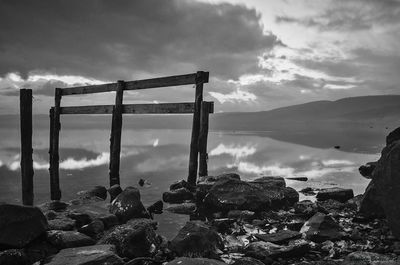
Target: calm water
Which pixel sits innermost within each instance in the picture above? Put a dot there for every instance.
(161, 157)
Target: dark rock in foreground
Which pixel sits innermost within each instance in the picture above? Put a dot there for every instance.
(127, 205)
(196, 239)
(370, 206)
(338, 194)
(19, 225)
(322, 227)
(98, 254)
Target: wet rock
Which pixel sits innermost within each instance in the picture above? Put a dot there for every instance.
(337, 194)
(13, 257)
(247, 261)
(109, 220)
(94, 229)
(156, 208)
(322, 227)
(233, 194)
(196, 239)
(183, 208)
(181, 184)
(98, 254)
(39, 250)
(386, 177)
(97, 191)
(369, 258)
(19, 225)
(262, 250)
(136, 238)
(114, 191)
(68, 239)
(306, 208)
(81, 218)
(291, 196)
(268, 182)
(334, 207)
(87, 212)
(370, 206)
(280, 237)
(56, 206)
(308, 191)
(194, 261)
(223, 225)
(127, 205)
(393, 136)
(367, 169)
(62, 223)
(177, 196)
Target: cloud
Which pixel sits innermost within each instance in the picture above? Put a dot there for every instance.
(109, 40)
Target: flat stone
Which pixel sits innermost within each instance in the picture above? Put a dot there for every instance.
(183, 208)
(280, 237)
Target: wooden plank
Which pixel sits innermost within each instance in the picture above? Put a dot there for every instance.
(171, 108)
(203, 135)
(26, 146)
(194, 142)
(115, 140)
(55, 192)
(177, 80)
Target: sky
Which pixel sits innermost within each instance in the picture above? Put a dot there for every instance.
(261, 54)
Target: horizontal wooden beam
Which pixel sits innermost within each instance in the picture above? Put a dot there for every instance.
(162, 108)
(177, 80)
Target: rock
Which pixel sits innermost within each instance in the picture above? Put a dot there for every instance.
(127, 205)
(156, 208)
(86, 213)
(233, 194)
(337, 147)
(183, 208)
(98, 191)
(299, 178)
(68, 239)
(13, 257)
(322, 227)
(50, 215)
(270, 182)
(370, 206)
(56, 206)
(367, 169)
(109, 220)
(247, 261)
(242, 215)
(181, 184)
(177, 196)
(223, 225)
(291, 196)
(94, 229)
(227, 176)
(306, 208)
(369, 258)
(39, 250)
(308, 191)
(196, 239)
(136, 238)
(114, 191)
(262, 250)
(280, 237)
(62, 223)
(19, 225)
(194, 261)
(386, 178)
(98, 254)
(393, 136)
(338, 194)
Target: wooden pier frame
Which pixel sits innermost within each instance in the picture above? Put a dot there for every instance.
(26, 146)
(199, 109)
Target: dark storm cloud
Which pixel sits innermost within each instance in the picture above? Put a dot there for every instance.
(112, 40)
(350, 15)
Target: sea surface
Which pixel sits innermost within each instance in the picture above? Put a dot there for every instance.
(160, 156)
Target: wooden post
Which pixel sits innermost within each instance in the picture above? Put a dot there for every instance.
(205, 110)
(194, 148)
(25, 105)
(115, 140)
(55, 192)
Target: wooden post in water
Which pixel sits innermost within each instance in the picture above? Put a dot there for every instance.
(55, 192)
(115, 139)
(204, 117)
(194, 143)
(25, 105)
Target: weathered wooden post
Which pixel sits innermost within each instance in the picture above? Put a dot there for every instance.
(204, 118)
(201, 78)
(25, 105)
(55, 192)
(115, 139)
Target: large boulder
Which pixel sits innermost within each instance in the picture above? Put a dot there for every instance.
(98, 254)
(127, 205)
(68, 239)
(386, 177)
(179, 195)
(195, 261)
(232, 194)
(136, 238)
(338, 194)
(370, 206)
(196, 239)
(322, 227)
(19, 225)
(270, 182)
